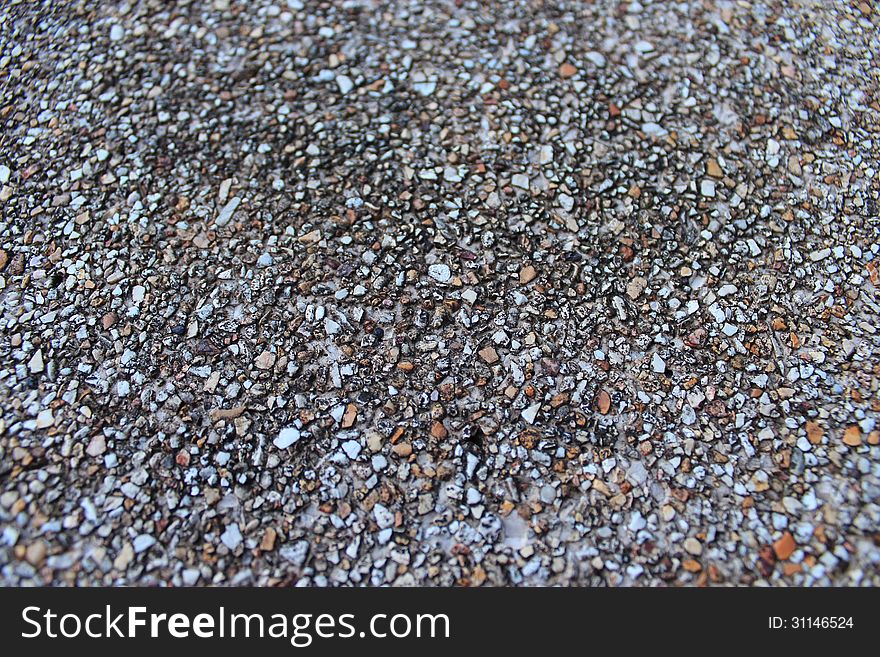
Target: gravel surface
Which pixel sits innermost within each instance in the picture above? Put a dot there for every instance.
(439, 293)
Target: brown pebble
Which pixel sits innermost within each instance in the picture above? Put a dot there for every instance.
(268, 542)
(350, 416)
(784, 546)
(603, 402)
(35, 553)
(527, 274)
(814, 432)
(567, 70)
(489, 355)
(852, 436)
(402, 449)
(218, 414)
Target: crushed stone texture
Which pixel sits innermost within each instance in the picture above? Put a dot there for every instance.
(439, 293)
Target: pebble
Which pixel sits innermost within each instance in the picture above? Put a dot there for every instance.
(142, 543)
(440, 273)
(286, 437)
(693, 546)
(231, 536)
(489, 355)
(227, 212)
(45, 419)
(597, 58)
(384, 517)
(658, 364)
(520, 180)
(527, 274)
(352, 448)
(344, 83)
(266, 360)
(635, 287)
(530, 413)
(35, 364)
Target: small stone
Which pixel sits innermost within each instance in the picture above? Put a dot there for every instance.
(567, 70)
(35, 553)
(267, 544)
(266, 360)
(440, 273)
(374, 441)
(143, 543)
(286, 437)
(35, 364)
(712, 168)
(688, 415)
(530, 413)
(344, 83)
(116, 32)
(295, 553)
(350, 416)
(124, 557)
(218, 414)
(785, 546)
(597, 58)
(635, 287)
(384, 517)
(97, 445)
(693, 546)
(227, 212)
(425, 87)
(352, 449)
(520, 180)
(814, 432)
(566, 202)
(658, 364)
(45, 419)
(707, 188)
(438, 430)
(402, 449)
(527, 274)
(852, 436)
(232, 537)
(691, 565)
(489, 355)
(603, 402)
